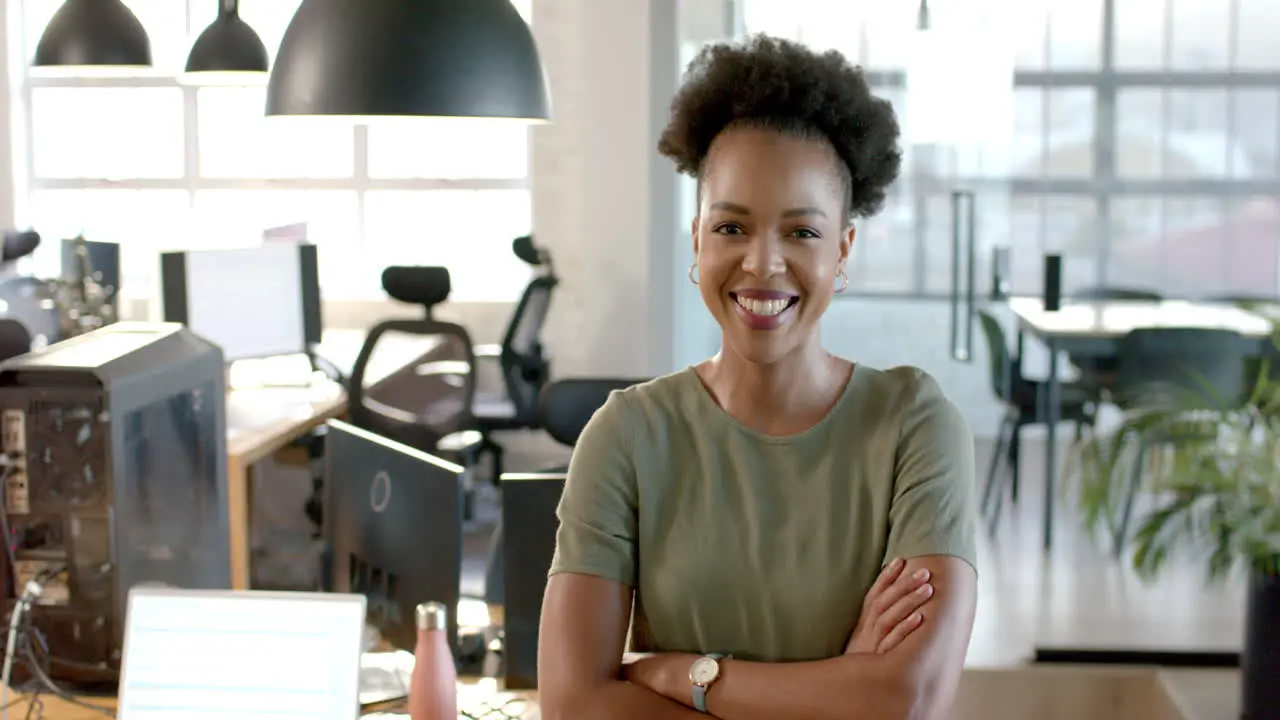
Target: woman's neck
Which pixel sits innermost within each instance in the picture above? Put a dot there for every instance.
(786, 396)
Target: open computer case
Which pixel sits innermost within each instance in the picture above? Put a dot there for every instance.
(114, 468)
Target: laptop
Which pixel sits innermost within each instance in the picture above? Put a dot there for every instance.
(199, 654)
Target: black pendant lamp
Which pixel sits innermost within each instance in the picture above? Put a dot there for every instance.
(93, 33)
(228, 50)
(405, 58)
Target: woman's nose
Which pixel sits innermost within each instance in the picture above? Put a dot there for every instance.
(764, 256)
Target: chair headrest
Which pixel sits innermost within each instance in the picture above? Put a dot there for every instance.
(417, 284)
(524, 249)
(565, 406)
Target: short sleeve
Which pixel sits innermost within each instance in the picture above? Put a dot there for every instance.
(934, 509)
(597, 512)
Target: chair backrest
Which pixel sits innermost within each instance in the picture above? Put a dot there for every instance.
(420, 401)
(15, 339)
(425, 396)
(524, 366)
(565, 406)
(1194, 368)
(1103, 292)
(1001, 365)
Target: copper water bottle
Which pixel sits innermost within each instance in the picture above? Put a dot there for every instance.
(433, 690)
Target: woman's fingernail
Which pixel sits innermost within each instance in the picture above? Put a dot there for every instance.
(894, 564)
(921, 574)
(916, 618)
(925, 590)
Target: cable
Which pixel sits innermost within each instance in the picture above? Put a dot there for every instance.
(11, 643)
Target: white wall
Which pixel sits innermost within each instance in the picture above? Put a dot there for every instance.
(603, 201)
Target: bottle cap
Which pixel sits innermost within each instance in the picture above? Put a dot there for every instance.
(432, 616)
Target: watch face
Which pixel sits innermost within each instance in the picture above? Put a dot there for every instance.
(704, 671)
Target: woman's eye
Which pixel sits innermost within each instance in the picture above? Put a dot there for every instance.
(729, 229)
(804, 233)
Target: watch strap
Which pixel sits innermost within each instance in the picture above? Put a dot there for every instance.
(700, 691)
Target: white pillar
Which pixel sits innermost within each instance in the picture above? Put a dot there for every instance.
(604, 201)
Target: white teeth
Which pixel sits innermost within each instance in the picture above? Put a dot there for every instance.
(762, 307)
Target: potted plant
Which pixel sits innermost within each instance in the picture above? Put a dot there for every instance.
(1214, 492)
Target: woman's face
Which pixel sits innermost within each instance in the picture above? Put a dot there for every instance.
(769, 239)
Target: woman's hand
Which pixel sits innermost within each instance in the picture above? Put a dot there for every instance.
(889, 612)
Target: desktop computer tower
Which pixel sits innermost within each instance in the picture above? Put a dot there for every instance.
(114, 475)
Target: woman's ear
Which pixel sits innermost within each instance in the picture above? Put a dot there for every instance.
(693, 232)
(846, 243)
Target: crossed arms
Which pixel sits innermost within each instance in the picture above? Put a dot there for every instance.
(904, 660)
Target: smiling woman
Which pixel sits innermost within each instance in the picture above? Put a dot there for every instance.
(806, 525)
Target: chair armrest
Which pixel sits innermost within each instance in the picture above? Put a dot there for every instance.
(461, 442)
(487, 351)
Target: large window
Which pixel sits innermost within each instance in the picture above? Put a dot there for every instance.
(154, 165)
(1145, 144)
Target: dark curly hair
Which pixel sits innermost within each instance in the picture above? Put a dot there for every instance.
(781, 85)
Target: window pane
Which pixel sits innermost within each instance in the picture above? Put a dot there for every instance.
(993, 216)
(883, 255)
(1140, 31)
(236, 218)
(1196, 246)
(467, 231)
(165, 21)
(107, 133)
(1053, 133)
(1201, 33)
(236, 140)
(1255, 134)
(1057, 34)
(268, 18)
(1256, 47)
(142, 221)
(1175, 134)
(449, 149)
(1062, 224)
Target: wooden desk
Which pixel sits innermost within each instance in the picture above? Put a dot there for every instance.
(278, 416)
(1043, 692)
(468, 690)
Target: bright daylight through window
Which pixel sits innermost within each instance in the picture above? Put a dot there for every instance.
(155, 165)
(1147, 158)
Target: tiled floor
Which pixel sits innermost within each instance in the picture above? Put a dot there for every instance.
(1075, 597)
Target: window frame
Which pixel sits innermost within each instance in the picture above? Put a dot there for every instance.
(193, 182)
(1105, 185)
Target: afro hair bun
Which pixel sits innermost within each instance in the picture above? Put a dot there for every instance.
(783, 85)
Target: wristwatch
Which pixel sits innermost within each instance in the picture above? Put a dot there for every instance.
(705, 670)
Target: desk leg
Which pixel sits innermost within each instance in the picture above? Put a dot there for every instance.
(238, 522)
(1053, 412)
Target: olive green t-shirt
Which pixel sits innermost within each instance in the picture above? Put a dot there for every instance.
(764, 547)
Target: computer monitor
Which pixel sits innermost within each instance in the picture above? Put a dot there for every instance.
(253, 302)
(393, 525)
(529, 524)
(190, 655)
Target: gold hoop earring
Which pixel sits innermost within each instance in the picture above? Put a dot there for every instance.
(693, 273)
(844, 281)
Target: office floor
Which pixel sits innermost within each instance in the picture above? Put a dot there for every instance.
(1076, 597)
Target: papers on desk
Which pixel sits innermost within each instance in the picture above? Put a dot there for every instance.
(384, 676)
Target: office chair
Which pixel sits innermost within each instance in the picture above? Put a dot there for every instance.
(426, 404)
(563, 409)
(523, 366)
(1196, 368)
(15, 339)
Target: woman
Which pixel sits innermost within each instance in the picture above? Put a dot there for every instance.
(744, 507)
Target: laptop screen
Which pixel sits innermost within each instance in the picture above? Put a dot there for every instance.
(192, 655)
